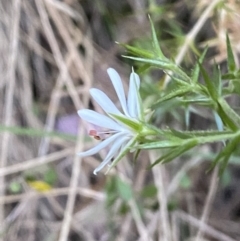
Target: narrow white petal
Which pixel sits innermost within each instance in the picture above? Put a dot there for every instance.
(99, 120)
(102, 99)
(101, 145)
(132, 101)
(114, 149)
(118, 86)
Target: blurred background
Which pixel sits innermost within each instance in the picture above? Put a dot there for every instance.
(52, 52)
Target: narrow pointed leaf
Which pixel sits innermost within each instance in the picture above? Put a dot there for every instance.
(175, 152)
(232, 118)
(231, 62)
(156, 47)
(173, 94)
(196, 70)
(224, 155)
(137, 51)
(209, 83)
(162, 64)
(217, 80)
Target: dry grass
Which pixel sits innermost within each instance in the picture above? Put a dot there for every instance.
(49, 60)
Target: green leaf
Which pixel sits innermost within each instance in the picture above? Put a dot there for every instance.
(156, 47)
(181, 83)
(137, 51)
(228, 115)
(143, 68)
(196, 70)
(236, 85)
(173, 94)
(162, 64)
(209, 83)
(217, 79)
(231, 62)
(224, 155)
(177, 151)
(124, 190)
(136, 154)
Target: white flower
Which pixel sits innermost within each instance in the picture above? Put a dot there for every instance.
(120, 129)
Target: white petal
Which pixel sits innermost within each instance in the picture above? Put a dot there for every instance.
(114, 149)
(118, 86)
(99, 120)
(102, 99)
(132, 101)
(101, 145)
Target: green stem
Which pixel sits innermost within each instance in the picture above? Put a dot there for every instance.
(219, 137)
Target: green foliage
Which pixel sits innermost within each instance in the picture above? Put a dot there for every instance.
(117, 188)
(202, 87)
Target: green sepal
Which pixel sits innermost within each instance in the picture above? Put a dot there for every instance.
(136, 126)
